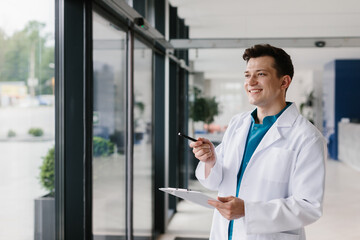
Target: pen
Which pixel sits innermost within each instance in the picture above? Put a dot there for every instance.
(190, 138)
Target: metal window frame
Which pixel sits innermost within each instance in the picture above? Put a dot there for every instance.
(73, 108)
(130, 133)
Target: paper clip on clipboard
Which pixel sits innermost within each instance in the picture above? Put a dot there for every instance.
(192, 196)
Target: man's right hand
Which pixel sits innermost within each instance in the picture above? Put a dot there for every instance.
(204, 150)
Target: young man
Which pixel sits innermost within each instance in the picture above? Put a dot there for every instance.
(269, 169)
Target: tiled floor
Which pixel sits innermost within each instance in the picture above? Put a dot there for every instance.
(341, 219)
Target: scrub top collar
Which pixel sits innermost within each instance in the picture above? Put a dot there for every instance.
(268, 120)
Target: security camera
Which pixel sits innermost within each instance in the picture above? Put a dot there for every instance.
(320, 44)
(141, 23)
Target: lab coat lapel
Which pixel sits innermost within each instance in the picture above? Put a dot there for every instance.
(270, 138)
(241, 136)
(286, 120)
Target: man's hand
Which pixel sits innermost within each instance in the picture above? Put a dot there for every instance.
(229, 207)
(204, 150)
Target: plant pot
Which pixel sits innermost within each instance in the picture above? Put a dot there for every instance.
(44, 218)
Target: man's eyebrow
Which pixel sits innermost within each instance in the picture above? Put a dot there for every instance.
(258, 70)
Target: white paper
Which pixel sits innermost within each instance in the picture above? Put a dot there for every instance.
(192, 196)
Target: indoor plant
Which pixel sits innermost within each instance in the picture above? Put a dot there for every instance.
(45, 205)
(203, 108)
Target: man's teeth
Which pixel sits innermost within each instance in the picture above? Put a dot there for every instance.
(254, 91)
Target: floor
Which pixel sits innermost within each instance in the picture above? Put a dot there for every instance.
(341, 219)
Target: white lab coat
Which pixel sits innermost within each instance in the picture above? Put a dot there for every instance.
(283, 184)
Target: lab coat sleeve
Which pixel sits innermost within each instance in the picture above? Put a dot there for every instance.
(304, 206)
(214, 179)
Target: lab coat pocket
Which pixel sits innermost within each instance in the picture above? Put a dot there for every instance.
(278, 162)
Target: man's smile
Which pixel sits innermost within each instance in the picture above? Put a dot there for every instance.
(255, 90)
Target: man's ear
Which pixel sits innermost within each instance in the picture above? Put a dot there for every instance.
(286, 80)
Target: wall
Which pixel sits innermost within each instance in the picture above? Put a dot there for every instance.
(233, 100)
(340, 98)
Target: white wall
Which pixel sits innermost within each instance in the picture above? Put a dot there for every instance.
(232, 97)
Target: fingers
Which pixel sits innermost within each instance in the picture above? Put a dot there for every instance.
(196, 144)
(214, 203)
(226, 199)
(203, 149)
(229, 207)
(199, 142)
(223, 208)
(221, 201)
(210, 144)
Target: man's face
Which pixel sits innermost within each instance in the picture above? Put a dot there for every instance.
(262, 85)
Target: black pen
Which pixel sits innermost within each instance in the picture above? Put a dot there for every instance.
(190, 138)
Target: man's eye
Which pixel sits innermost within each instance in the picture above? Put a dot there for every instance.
(261, 74)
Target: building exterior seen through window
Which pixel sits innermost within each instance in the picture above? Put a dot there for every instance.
(27, 117)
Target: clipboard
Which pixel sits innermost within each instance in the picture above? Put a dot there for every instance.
(192, 196)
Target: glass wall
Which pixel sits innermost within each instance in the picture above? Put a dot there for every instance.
(109, 193)
(143, 169)
(27, 119)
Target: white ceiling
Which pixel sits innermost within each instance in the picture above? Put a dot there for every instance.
(268, 19)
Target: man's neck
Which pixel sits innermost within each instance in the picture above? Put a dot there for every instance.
(274, 109)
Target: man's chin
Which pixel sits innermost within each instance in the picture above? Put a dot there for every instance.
(253, 102)
(256, 103)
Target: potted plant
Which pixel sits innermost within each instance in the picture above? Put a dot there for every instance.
(306, 107)
(45, 206)
(203, 108)
(102, 147)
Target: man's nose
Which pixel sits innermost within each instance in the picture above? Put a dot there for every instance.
(252, 80)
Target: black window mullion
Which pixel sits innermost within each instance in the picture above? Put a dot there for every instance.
(73, 119)
(129, 133)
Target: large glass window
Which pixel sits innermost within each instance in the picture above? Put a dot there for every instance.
(143, 91)
(109, 118)
(27, 120)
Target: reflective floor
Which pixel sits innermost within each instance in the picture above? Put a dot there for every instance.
(341, 219)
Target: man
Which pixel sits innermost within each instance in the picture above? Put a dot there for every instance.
(269, 169)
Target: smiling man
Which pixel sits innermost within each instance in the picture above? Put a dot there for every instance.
(269, 169)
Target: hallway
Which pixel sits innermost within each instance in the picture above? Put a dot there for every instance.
(341, 218)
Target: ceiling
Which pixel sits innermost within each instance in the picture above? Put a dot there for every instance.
(268, 20)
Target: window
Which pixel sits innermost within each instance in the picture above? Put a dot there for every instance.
(143, 160)
(109, 121)
(27, 119)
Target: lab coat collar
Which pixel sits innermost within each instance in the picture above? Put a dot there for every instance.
(288, 117)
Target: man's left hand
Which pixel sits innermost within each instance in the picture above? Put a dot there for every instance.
(229, 207)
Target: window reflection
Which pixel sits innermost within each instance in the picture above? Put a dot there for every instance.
(108, 129)
(142, 140)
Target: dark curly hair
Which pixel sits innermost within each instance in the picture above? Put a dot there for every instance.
(283, 63)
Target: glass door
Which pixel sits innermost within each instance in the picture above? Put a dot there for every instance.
(109, 118)
(143, 141)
